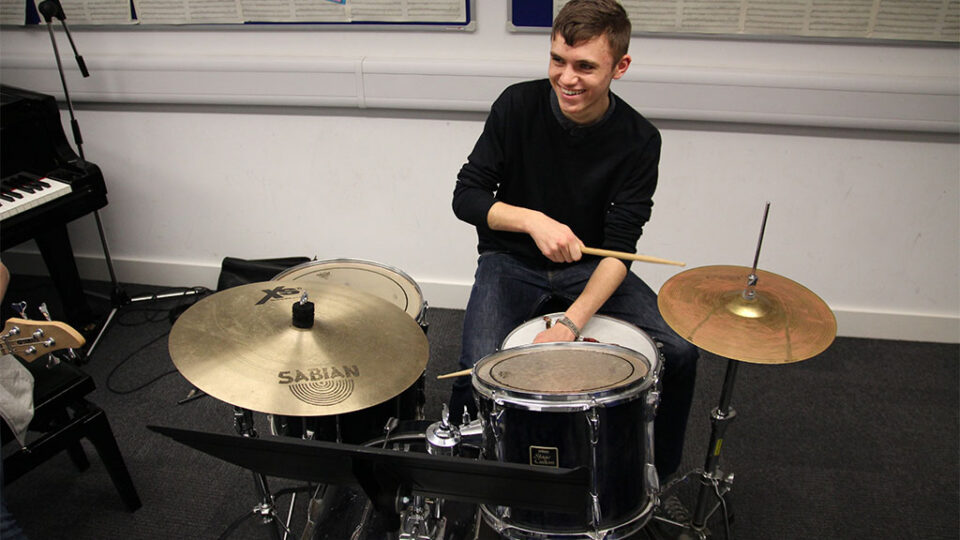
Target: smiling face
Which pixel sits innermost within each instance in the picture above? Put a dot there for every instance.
(581, 76)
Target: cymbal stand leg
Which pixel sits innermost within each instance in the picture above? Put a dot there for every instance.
(317, 507)
(266, 507)
(712, 477)
(286, 523)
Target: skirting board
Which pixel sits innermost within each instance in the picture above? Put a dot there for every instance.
(851, 322)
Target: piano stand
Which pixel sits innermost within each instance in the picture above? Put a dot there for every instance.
(54, 244)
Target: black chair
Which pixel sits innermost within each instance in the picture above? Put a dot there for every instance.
(62, 417)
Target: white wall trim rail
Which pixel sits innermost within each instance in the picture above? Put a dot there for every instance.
(788, 98)
(942, 328)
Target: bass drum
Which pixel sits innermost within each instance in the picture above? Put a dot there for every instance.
(386, 282)
(573, 405)
(389, 284)
(349, 514)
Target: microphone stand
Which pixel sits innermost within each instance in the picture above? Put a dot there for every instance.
(52, 9)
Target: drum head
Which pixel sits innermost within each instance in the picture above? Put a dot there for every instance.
(601, 328)
(590, 373)
(373, 278)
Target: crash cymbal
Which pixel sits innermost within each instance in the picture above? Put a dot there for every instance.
(784, 322)
(241, 347)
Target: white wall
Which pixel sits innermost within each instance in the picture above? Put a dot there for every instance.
(260, 143)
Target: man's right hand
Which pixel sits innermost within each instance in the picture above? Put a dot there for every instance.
(554, 239)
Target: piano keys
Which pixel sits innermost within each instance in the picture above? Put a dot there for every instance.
(24, 191)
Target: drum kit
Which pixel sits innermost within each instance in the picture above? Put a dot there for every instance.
(335, 352)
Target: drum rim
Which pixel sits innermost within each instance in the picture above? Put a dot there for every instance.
(654, 362)
(416, 286)
(570, 401)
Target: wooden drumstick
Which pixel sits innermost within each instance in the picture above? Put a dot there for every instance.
(627, 256)
(455, 374)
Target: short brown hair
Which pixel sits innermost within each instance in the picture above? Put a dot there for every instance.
(583, 20)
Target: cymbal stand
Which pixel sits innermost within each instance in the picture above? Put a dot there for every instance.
(266, 509)
(713, 483)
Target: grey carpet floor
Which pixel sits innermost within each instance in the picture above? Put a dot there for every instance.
(858, 442)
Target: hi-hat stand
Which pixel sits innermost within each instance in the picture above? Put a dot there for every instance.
(714, 485)
(723, 310)
(52, 9)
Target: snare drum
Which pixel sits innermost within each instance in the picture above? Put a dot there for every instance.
(570, 405)
(389, 284)
(600, 328)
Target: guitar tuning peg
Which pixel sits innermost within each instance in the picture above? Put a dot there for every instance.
(52, 361)
(20, 308)
(44, 311)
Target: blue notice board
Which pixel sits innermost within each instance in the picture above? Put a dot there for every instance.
(531, 13)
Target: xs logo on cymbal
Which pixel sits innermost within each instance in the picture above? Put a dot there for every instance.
(278, 293)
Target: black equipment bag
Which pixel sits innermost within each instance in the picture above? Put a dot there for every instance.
(234, 272)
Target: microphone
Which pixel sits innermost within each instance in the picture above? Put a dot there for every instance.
(51, 9)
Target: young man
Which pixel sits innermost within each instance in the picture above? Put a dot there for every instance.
(563, 163)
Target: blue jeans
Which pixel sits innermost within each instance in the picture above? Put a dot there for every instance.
(507, 292)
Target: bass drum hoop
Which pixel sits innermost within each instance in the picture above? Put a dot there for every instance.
(509, 529)
(416, 309)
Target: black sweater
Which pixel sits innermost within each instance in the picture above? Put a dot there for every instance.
(598, 179)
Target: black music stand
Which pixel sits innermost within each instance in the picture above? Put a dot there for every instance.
(388, 476)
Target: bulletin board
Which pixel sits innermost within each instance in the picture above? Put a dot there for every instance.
(925, 21)
(401, 14)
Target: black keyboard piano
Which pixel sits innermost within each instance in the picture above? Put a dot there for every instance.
(44, 185)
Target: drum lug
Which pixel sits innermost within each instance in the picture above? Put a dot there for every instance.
(495, 423)
(652, 402)
(650, 470)
(653, 483)
(496, 416)
(471, 434)
(595, 499)
(422, 319)
(594, 421)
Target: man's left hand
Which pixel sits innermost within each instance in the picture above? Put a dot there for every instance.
(557, 332)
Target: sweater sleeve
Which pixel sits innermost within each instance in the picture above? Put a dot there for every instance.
(480, 176)
(631, 206)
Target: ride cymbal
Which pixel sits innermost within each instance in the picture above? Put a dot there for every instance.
(240, 346)
(784, 321)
